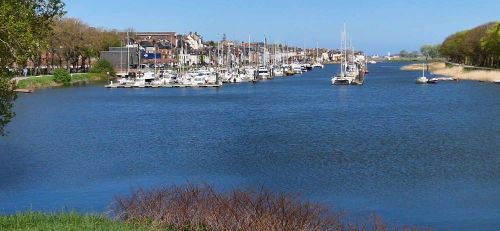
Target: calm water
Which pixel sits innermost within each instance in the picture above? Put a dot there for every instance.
(425, 155)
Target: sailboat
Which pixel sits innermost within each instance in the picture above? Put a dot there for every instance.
(422, 79)
(317, 63)
(348, 70)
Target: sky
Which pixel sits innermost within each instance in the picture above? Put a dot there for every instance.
(376, 27)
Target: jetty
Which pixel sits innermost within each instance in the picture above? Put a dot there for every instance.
(24, 90)
(176, 85)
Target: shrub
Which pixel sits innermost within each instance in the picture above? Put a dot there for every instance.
(102, 67)
(62, 76)
(192, 207)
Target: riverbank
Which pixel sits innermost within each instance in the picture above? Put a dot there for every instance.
(457, 72)
(48, 80)
(193, 208)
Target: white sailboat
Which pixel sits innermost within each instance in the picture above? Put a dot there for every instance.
(422, 79)
(317, 63)
(348, 72)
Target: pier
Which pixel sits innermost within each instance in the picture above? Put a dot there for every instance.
(176, 85)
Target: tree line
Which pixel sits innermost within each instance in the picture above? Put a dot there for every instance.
(72, 44)
(479, 46)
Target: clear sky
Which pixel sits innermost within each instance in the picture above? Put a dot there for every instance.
(376, 27)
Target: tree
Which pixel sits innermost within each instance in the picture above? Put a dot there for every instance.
(74, 41)
(477, 46)
(24, 29)
(490, 44)
(62, 76)
(403, 53)
(430, 51)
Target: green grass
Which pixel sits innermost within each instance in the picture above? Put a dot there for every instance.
(43, 81)
(48, 80)
(64, 221)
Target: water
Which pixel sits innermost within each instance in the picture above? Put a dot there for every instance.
(425, 155)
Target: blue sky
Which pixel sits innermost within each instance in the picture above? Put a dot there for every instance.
(377, 27)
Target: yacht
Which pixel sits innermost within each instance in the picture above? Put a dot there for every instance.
(351, 69)
(342, 79)
(278, 71)
(263, 73)
(145, 79)
(422, 79)
(248, 74)
(318, 65)
(296, 68)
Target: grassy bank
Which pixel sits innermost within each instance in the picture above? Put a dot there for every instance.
(202, 208)
(457, 72)
(48, 80)
(64, 221)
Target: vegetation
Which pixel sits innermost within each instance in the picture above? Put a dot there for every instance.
(102, 67)
(24, 29)
(74, 43)
(37, 82)
(49, 81)
(62, 76)
(430, 51)
(64, 221)
(202, 208)
(479, 46)
(406, 54)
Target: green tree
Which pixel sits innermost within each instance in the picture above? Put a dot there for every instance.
(430, 51)
(478, 46)
(102, 67)
(24, 29)
(62, 76)
(490, 44)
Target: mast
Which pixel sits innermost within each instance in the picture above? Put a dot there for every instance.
(249, 51)
(121, 56)
(342, 53)
(155, 58)
(264, 61)
(128, 54)
(345, 49)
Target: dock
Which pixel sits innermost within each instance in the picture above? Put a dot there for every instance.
(176, 85)
(24, 90)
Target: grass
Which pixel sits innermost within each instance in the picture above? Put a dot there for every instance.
(48, 80)
(64, 221)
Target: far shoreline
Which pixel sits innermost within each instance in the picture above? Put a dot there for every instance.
(457, 72)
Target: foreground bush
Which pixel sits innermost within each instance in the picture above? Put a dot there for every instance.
(201, 208)
(62, 76)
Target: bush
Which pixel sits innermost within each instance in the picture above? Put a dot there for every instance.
(192, 207)
(102, 67)
(62, 76)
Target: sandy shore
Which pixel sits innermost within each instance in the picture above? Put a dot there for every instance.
(457, 72)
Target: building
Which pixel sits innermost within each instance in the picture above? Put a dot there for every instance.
(156, 37)
(122, 58)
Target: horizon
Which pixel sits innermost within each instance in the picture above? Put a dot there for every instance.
(319, 23)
